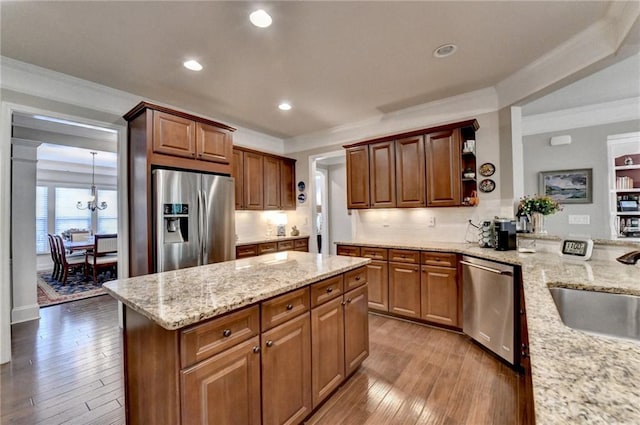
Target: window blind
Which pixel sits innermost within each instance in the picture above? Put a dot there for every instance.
(42, 198)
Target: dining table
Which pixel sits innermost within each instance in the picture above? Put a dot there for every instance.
(71, 246)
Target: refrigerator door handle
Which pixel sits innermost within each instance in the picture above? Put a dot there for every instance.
(199, 232)
(204, 229)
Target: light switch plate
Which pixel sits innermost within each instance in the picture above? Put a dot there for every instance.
(579, 218)
(431, 221)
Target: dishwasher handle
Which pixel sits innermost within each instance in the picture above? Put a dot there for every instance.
(489, 269)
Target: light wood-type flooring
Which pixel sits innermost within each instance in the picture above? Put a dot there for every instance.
(67, 368)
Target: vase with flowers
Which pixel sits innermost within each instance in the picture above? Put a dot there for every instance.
(536, 208)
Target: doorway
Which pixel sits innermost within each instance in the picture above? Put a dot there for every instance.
(331, 220)
(23, 130)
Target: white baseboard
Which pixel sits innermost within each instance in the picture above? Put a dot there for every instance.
(25, 313)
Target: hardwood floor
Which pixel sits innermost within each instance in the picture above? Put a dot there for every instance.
(67, 368)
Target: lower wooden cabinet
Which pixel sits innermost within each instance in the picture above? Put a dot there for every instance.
(378, 272)
(404, 289)
(286, 372)
(224, 389)
(439, 287)
(245, 251)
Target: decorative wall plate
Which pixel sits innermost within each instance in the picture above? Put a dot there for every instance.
(487, 169)
(487, 185)
(301, 186)
(302, 197)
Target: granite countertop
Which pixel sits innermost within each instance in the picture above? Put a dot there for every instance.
(266, 239)
(578, 378)
(183, 297)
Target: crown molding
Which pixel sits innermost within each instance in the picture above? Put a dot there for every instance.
(455, 108)
(583, 116)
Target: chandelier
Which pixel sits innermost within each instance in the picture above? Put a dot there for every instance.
(92, 203)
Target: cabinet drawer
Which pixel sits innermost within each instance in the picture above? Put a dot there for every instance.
(404, 256)
(375, 253)
(212, 337)
(351, 251)
(284, 307)
(442, 259)
(301, 243)
(245, 251)
(355, 278)
(265, 248)
(285, 245)
(326, 290)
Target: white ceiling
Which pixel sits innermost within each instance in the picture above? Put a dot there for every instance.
(336, 62)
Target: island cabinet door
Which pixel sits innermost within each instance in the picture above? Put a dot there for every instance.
(327, 349)
(286, 372)
(356, 328)
(224, 389)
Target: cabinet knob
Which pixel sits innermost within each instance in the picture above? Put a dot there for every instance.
(329, 290)
(349, 300)
(289, 306)
(226, 333)
(256, 349)
(269, 343)
(524, 354)
(357, 277)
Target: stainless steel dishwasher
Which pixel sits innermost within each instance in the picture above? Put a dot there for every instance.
(488, 304)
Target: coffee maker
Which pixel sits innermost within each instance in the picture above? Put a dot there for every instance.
(504, 230)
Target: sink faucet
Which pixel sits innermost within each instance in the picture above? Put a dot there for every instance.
(630, 257)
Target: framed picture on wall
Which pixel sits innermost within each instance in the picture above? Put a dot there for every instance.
(568, 186)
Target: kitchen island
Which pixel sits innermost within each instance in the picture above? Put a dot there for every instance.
(232, 342)
(577, 377)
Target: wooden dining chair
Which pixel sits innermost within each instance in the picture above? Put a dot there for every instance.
(104, 255)
(67, 263)
(57, 267)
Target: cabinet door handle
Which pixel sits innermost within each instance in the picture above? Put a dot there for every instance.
(329, 290)
(256, 349)
(269, 343)
(289, 306)
(226, 333)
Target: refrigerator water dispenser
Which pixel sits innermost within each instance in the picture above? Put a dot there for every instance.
(176, 223)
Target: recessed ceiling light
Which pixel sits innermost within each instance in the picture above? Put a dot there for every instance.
(193, 65)
(445, 50)
(260, 18)
(284, 106)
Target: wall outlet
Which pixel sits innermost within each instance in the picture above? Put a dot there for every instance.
(431, 221)
(579, 219)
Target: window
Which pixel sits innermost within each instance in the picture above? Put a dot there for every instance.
(108, 218)
(67, 216)
(42, 197)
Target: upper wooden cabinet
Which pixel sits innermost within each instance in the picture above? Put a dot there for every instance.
(443, 168)
(267, 183)
(174, 135)
(410, 174)
(358, 177)
(382, 175)
(213, 144)
(415, 169)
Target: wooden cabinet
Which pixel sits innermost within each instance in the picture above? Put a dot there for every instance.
(356, 328)
(526, 412)
(253, 175)
(339, 334)
(415, 169)
(404, 289)
(348, 250)
(298, 244)
(286, 372)
(382, 175)
(358, 177)
(377, 277)
(268, 181)
(287, 184)
(238, 176)
(410, 172)
(439, 295)
(224, 389)
(443, 168)
(160, 137)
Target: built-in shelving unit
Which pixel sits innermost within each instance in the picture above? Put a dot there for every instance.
(624, 183)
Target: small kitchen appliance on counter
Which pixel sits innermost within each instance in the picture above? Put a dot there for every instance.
(505, 234)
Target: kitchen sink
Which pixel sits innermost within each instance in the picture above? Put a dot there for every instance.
(601, 313)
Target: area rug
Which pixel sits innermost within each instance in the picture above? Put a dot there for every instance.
(52, 292)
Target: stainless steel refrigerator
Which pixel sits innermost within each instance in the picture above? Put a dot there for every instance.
(194, 217)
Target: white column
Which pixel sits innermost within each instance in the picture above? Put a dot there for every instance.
(23, 234)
